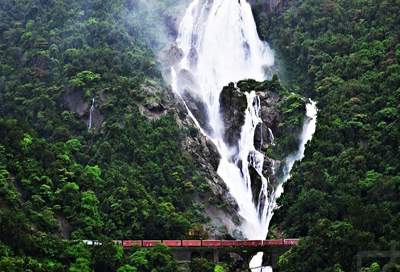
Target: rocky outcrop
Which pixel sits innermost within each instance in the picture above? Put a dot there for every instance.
(261, 137)
(64, 225)
(170, 55)
(153, 106)
(187, 82)
(269, 113)
(233, 104)
(206, 154)
(74, 102)
(199, 110)
(189, 88)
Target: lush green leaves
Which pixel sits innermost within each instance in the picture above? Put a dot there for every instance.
(343, 54)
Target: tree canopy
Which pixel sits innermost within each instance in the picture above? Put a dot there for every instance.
(345, 55)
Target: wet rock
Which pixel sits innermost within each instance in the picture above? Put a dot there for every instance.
(170, 55)
(198, 109)
(187, 82)
(233, 104)
(261, 137)
(97, 118)
(189, 88)
(207, 157)
(256, 184)
(270, 114)
(193, 57)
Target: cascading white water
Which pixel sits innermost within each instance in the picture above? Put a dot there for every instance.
(220, 45)
(271, 137)
(91, 116)
(305, 136)
(307, 132)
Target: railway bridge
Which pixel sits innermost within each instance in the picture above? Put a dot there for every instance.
(239, 252)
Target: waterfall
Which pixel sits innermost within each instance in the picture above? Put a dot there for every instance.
(271, 137)
(305, 136)
(220, 45)
(91, 116)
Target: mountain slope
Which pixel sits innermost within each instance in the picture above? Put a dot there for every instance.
(344, 195)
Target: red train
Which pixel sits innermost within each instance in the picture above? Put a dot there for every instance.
(202, 243)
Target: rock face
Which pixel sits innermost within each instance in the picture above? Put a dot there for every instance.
(233, 104)
(170, 55)
(74, 102)
(205, 153)
(189, 87)
(269, 113)
(155, 103)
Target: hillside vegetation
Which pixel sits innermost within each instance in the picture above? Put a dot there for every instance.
(344, 197)
(126, 178)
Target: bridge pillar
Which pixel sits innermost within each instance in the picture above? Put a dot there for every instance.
(246, 256)
(216, 255)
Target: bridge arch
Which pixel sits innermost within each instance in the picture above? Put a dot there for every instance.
(208, 255)
(195, 255)
(232, 258)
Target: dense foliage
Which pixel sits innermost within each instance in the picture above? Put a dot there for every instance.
(126, 178)
(345, 194)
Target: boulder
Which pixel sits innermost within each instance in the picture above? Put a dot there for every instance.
(187, 82)
(170, 55)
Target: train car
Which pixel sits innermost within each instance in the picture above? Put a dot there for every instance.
(92, 242)
(150, 243)
(273, 242)
(172, 243)
(88, 242)
(191, 243)
(252, 242)
(231, 243)
(288, 242)
(210, 243)
(128, 243)
(118, 242)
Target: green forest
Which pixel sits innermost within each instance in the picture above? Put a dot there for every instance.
(129, 178)
(344, 196)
